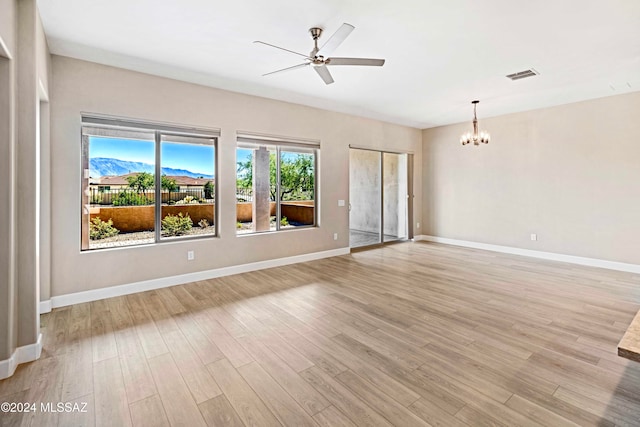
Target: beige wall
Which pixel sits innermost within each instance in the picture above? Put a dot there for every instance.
(570, 174)
(80, 86)
(8, 32)
(24, 79)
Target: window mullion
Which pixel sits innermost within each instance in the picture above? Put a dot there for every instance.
(158, 189)
(278, 213)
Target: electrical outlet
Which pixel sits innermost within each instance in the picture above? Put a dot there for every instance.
(335, 236)
(534, 236)
(418, 225)
(191, 255)
(340, 202)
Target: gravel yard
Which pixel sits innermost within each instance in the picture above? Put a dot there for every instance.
(141, 237)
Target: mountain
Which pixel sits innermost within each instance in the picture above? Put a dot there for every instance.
(102, 166)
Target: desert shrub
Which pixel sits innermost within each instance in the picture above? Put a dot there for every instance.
(129, 198)
(176, 225)
(203, 223)
(284, 221)
(99, 229)
(188, 200)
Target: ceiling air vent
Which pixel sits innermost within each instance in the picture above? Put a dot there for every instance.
(523, 74)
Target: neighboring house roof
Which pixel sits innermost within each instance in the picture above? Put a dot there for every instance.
(122, 180)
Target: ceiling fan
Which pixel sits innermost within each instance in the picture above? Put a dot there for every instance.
(319, 57)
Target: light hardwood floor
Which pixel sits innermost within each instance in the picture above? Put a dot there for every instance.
(409, 334)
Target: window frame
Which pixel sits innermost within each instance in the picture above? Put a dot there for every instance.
(107, 126)
(247, 140)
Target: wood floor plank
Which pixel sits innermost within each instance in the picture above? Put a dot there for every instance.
(537, 413)
(363, 367)
(331, 417)
(158, 311)
(312, 401)
(81, 414)
(283, 406)
(249, 407)
(206, 349)
(435, 415)
(150, 339)
(260, 330)
(177, 401)
(46, 388)
(319, 357)
(618, 414)
(193, 371)
(376, 398)
(102, 336)
(57, 329)
(78, 376)
(219, 412)
(112, 407)
(148, 412)
(232, 350)
(359, 412)
(138, 381)
(171, 301)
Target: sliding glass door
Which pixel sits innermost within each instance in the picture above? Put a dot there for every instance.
(365, 198)
(378, 197)
(394, 181)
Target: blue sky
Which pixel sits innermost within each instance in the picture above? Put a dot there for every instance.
(193, 157)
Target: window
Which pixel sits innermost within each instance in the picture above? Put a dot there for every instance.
(145, 183)
(275, 184)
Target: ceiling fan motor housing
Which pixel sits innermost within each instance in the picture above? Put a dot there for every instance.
(315, 32)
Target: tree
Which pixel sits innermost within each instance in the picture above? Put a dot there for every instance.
(141, 182)
(208, 190)
(168, 184)
(296, 176)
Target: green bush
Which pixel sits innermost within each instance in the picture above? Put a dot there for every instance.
(173, 225)
(99, 229)
(284, 221)
(208, 190)
(238, 225)
(129, 198)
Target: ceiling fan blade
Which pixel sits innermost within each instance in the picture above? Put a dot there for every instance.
(287, 69)
(281, 48)
(355, 61)
(324, 73)
(336, 39)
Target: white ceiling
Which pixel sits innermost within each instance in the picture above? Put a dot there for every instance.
(440, 54)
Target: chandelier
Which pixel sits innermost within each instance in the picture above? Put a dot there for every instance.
(476, 137)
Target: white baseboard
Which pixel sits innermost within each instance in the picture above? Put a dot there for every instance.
(147, 285)
(45, 306)
(24, 354)
(591, 262)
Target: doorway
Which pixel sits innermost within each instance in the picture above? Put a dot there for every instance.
(379, 202)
